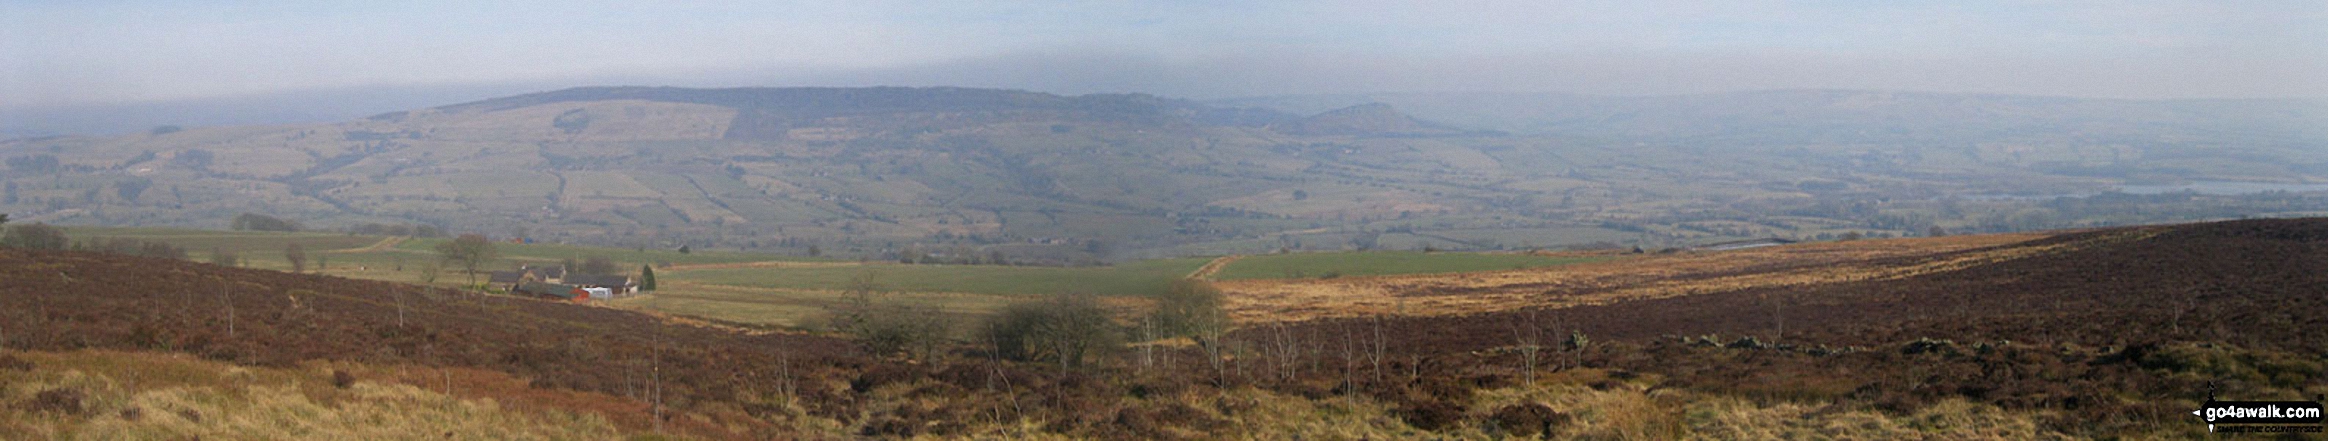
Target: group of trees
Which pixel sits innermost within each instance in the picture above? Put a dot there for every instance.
(34, 163)
(1069, 329)
(36, 236)
(39, 236)
(1065, 328)
(882, 325)
(132, 247)
(261, 222)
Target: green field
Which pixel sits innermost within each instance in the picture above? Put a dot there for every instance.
(798, 308)
(1377, 263)
(1141, 278)
(694, 284)
(395, 259)
(630, 257)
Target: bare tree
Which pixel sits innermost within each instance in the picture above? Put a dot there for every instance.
(222, 257)
(1528, 338)
(470, 252)
(1375, 351)
(1287, 349)
(656, 372)
(1577, 342)
(227, 298)
(400, 308)
(1777, 315)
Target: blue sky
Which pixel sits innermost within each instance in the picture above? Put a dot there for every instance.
(96, 52)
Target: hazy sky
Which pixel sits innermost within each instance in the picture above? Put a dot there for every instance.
(104, 51)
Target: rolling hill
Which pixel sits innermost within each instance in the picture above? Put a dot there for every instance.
(1041, 178)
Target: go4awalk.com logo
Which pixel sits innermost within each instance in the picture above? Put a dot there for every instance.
(2261, 416)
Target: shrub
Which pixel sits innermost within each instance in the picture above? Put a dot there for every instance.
(884, 326)
(1065, 328)
(1191, 308)
(222, 257)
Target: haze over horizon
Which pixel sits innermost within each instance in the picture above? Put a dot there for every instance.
(269, 62)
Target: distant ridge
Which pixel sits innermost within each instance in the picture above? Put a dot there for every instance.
(764, 111)
(1367, 119)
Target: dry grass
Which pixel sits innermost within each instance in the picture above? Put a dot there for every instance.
(1638, 278)
(1631, 410)
(1266, 415)
(1731, 418)
(124, 395)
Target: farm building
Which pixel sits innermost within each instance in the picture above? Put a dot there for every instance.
(553, 291)
(616, 286)
(512, 280)
(506, 279)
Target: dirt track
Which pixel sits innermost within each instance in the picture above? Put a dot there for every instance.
(1213, 267)
(384, 244)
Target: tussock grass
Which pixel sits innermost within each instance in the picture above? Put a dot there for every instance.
(123, 395)
(1732, 418)
(1264, 415)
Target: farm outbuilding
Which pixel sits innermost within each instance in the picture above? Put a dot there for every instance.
(616, 286)
(553, 291)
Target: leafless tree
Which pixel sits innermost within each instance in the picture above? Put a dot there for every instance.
(297, 255)
(1527, 336)
(470, 252)
(1379, 346)
(228, 298)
